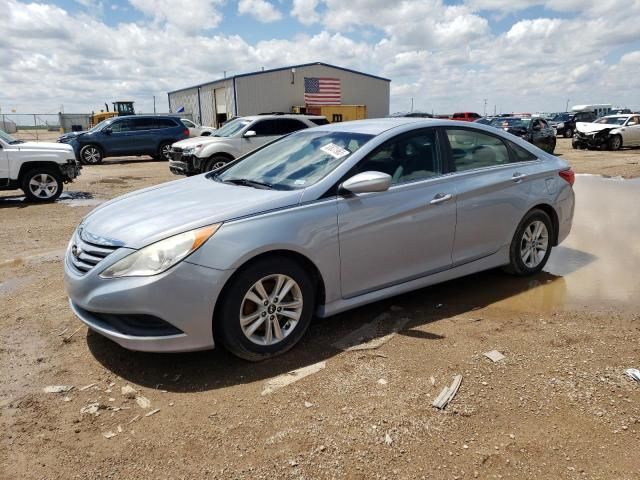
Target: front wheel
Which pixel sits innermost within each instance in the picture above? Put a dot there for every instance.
(568, 133)
(531, 244)
(615, 142)
(214, 163)
(552, 146)
(42, 185)
(266, 309)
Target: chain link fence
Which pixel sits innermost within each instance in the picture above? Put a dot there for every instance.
(49, 126)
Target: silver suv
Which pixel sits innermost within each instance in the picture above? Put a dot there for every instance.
(239, 136)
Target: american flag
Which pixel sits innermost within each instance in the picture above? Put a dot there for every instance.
(322, 91)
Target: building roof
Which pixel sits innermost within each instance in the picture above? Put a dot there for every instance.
(259, 72)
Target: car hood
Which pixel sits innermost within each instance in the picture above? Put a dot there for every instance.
(59, 147)
(146, 216)
(584, 127)
(192, 142)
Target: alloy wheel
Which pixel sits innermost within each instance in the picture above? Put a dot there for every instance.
(271, 309)
(534, 244)
(91, 155)
(43, 185)
(165, 151)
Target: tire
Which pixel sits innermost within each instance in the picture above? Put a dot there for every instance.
(615, 143)
(568, 133)
(574, 144)
(521, 261)
(164, 151)
(552, 147)
(258, 339)
(42, 184)
(91, 154)
(215, 162)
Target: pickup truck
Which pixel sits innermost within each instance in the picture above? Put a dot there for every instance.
(37, 168)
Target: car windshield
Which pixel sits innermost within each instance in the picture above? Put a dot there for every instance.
(231, 128)
(510, 122)
(295, 161)
(101, 125)
(8, 138)
(561, 117)
(612, 120)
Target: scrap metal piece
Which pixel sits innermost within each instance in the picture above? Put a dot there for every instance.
(447, 393)
(494, 356)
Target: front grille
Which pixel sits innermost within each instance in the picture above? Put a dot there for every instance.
(86, 255)
(176, 153)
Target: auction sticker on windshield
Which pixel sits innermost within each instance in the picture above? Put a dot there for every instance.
(336, 151)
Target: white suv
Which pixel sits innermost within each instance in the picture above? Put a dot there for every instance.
(37, 168)
(236, 138)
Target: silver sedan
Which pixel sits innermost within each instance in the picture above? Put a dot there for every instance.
(316, 223)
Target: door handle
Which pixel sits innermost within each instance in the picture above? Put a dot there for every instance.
(518, 177)
(441, 197)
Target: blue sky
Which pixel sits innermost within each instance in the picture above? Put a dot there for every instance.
(530, 55)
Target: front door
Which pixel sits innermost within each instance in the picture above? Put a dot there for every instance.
(4, 165)
(266, 130)
(404, 233)
(632, 132)
(121, 140)
(492, 183)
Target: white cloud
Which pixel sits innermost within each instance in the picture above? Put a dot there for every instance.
(196, 15)
(261, 10)
(444, 57)
(305, 11)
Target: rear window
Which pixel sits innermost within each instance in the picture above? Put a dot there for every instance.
(319, 121)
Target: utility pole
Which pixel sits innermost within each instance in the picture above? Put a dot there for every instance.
(154, 104)
(412, 104)
(485, 107)
(567, 107)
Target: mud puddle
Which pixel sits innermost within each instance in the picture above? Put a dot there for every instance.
(598, 265)
(79, 199)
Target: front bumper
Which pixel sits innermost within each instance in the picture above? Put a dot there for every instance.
(70, 170)
(178, 304)
(184, 164)
(595, 141)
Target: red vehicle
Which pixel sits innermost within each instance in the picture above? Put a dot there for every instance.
(466, 116)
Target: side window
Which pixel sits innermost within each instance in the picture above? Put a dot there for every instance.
(633, 121)
(519, 154)
(320, 121)
(265, 128)
(543, 123)
(406, 158)
(165, 123)
(288, 125)
(142, 123)
(125, 125)
(471, 149)
(188, 123)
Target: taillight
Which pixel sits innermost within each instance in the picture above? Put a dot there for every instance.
(568, 176)
(186, 132)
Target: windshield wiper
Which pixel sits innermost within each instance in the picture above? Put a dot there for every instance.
(249, 183)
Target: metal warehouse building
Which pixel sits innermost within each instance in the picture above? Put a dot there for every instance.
(277, 90)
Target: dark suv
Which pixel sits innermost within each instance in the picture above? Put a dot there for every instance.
(565, 123)
(124, 136)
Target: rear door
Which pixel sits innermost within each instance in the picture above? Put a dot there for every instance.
(632, 131)
(143, 139)
(492, 187)
(404, 233)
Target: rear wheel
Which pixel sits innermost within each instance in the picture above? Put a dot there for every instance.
(42, 185)
(164, 151)
(266, 310)
(615, 142)
(531, 244)
(91, 154)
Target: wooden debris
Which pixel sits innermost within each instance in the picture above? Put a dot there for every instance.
(152, 412)
(447, 393)
(291, 377)
(494, 356)
(87, 387)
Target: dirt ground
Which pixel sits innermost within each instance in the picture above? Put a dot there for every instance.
(558, 405)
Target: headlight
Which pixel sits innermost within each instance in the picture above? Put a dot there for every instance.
(560, 125)
(192, 150)
(160, 256)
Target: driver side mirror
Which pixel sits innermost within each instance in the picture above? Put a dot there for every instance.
(249, 134)
(366, 182)
(107, 130)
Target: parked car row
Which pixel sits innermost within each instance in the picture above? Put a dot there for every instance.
(246, 255)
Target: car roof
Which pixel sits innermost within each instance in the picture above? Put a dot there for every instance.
(376, 126)
(281, 115)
